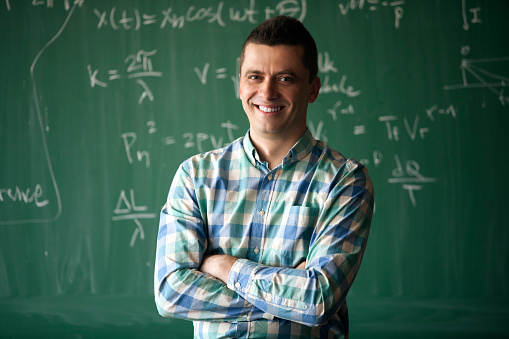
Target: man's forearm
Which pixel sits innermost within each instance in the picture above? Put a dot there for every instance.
(218, 265)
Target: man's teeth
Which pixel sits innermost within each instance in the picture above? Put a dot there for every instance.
(269, 109)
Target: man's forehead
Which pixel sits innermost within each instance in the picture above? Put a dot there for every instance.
(294, 49)
(287, 56)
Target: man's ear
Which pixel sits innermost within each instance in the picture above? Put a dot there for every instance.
(315, 90)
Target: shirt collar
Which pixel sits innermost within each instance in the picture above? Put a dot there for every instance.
(299, 151)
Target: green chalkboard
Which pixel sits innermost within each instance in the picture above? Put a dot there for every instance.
(100, 101)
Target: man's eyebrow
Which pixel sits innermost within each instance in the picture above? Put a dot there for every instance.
(253, 71)
(283, 72)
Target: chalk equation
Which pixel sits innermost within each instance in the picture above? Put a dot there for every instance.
(407, 174)
(48, 3)
(126, 206)
(413, 127)
(200, 141)
(409, 177)
(138, 66)
(215, 14)
(374, 5)
(127, 209)
(219, 73)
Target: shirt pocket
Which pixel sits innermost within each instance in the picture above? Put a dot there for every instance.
(295, 234)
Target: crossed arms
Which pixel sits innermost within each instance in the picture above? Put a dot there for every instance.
(194, 284)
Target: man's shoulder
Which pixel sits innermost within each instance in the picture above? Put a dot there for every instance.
(335, 163)
(331, 155)
(229, 152)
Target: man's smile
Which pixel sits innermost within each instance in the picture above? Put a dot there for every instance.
(268, 109)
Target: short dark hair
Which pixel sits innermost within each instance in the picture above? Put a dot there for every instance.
(285, 30)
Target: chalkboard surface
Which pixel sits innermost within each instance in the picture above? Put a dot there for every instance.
(100, 101)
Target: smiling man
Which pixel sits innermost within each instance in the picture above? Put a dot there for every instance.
(263, 238)
(275, 90)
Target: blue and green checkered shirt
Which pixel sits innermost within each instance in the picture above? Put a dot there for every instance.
(315, 207)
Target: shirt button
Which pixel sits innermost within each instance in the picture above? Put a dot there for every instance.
(256, 250)
(237, 284)
(268, 298)
(262, 212)
(270, 177)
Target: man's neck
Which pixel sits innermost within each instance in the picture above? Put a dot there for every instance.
(272, 150)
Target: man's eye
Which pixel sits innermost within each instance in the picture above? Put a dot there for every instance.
(286, 79)
(254, 77)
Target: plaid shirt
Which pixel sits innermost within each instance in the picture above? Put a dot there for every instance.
(316, 207)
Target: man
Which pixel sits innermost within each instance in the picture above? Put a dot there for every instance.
(263, 238)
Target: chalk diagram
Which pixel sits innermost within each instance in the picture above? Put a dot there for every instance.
(43, 129)
(476, 73)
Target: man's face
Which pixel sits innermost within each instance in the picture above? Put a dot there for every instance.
(275, 90)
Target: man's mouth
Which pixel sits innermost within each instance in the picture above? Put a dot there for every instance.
(268, 109)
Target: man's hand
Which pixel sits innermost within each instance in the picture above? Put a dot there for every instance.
(302, 266)
(218, 265)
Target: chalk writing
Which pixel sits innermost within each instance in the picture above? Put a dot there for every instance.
(138, 66)
(325, 63)
(470, 15)
(413, 130)
(317, 132)
(129, 141)
(377, 159)
(481, 73)
(409, 176)
(374, 5)
(196, 139)
(326, 66)
(338, 87)
(220, 73)
(51, 3)
(214, 14)
(342, 110)
(26, 196)
(151, 127)
(126, 209)
(434, 110)
(359, 129)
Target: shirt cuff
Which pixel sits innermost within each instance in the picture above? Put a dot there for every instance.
(240, 275)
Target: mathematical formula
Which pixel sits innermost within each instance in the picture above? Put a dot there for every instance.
(374, 5)
(216, 14)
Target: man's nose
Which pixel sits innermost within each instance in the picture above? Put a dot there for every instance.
(268, 89)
